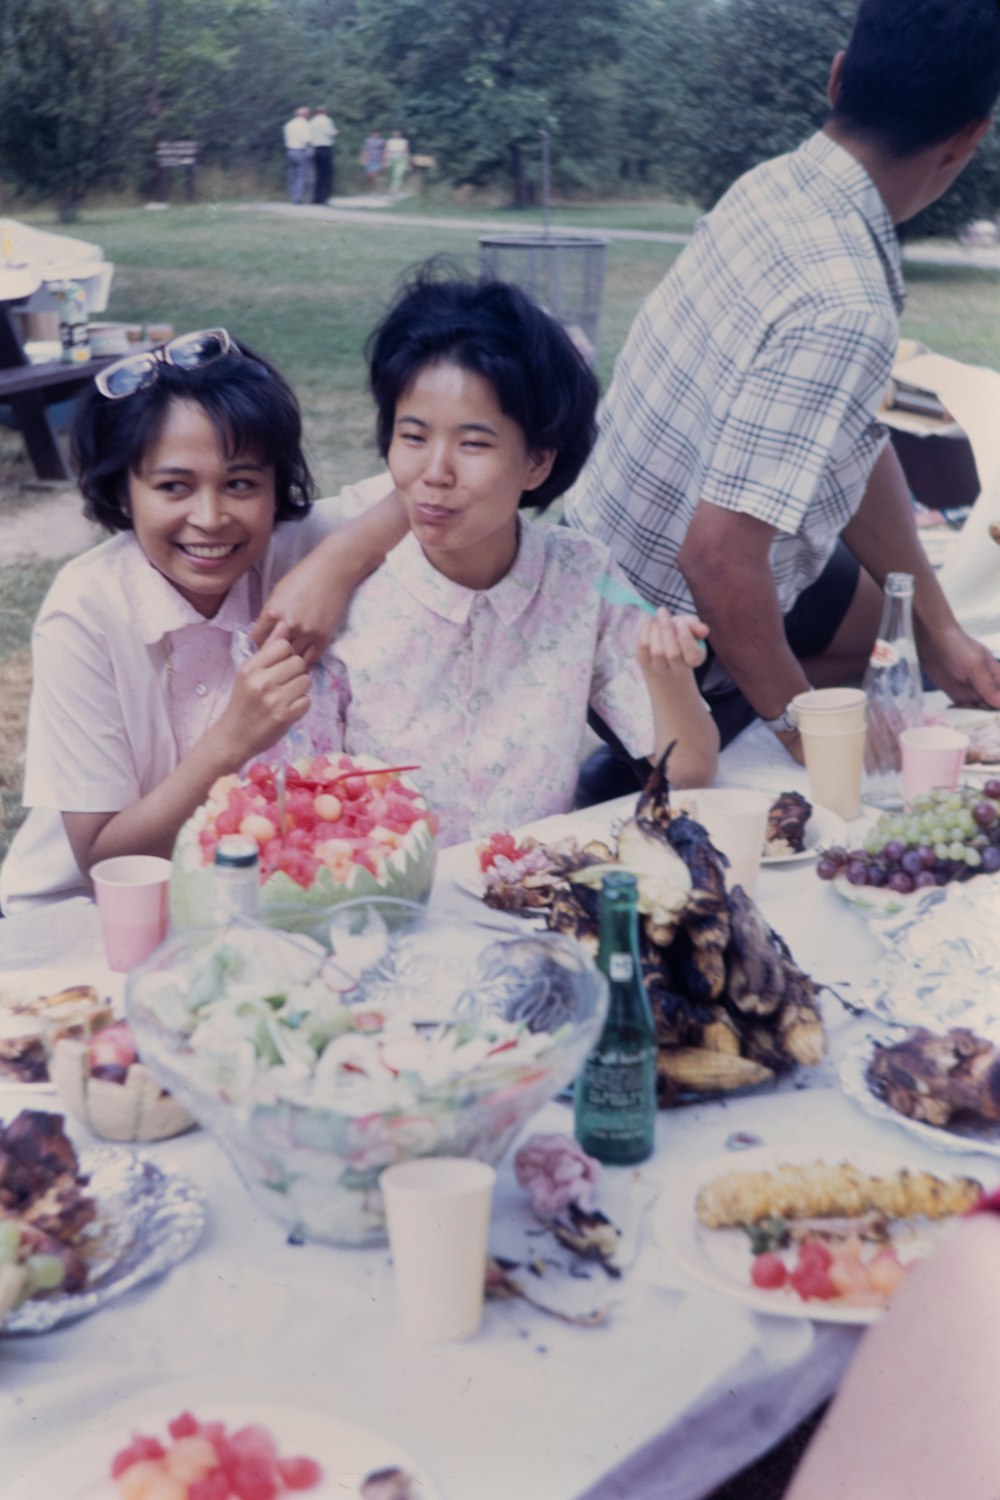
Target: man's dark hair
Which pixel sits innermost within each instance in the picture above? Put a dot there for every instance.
(250, 405)
(541, 380)
(918, 70)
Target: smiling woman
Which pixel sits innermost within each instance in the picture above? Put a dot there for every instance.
(201, 516)
(137, 704)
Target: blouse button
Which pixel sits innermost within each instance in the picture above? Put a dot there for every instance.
(201, 689)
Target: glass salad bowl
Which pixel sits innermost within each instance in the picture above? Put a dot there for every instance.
(384, 1032)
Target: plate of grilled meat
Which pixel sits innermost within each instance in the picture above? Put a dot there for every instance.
(942, 1087)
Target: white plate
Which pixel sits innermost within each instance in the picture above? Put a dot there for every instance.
(965, 719)
(20, 986)
(79, 1469)
(878, 900)
(823, 830)
(548, 831)
(853, 1081)
(722, 1259)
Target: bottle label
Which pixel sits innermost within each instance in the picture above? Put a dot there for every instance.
(619, 1091)
(620, 966)
(884, 654)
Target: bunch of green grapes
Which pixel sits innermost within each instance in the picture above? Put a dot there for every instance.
(945, 835)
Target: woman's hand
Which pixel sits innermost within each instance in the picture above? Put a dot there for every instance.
(312, 598)
(270, 694)
(670, 645)
(307, 605)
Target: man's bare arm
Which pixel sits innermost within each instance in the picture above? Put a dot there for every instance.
(726, 561)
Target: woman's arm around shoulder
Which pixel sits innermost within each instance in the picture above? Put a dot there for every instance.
(311, 599)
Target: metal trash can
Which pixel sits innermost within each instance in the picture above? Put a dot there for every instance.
(563, 273)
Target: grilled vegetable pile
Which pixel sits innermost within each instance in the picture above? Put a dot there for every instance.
(732, 1008)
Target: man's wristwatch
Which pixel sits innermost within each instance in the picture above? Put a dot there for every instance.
(785, 723)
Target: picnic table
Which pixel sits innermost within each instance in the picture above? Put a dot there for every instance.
(30, 389)
(29, 260)
(679, 1390)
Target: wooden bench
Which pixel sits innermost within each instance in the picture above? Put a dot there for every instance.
(29, 389)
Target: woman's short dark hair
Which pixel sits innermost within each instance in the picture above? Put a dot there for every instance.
(916, 71)
(250, 405)
(542, 381)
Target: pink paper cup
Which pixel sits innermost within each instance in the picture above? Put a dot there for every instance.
(131, 893)
(933, 757)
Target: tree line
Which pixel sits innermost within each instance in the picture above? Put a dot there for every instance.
(674, 95)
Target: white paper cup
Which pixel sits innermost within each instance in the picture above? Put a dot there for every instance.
(830, 708)
(933, 756)
(132, 898)
(438, 1216)
(736, 822)
(834, 759)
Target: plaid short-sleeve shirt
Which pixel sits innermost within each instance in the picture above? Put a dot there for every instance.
(752, 376)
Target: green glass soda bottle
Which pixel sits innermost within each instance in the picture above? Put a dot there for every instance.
(615, 1093)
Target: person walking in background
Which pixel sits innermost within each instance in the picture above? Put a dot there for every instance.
(397, 159)
(297, 146)
(322, 134)
(373, 159)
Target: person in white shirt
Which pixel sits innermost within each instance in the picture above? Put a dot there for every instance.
(192, 456)
(298, 144)
(322, 134)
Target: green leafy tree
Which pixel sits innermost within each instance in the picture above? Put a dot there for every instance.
(68, 102)
(752, 84)
(476, 81)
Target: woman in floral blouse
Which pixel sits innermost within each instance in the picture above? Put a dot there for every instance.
(478, 648)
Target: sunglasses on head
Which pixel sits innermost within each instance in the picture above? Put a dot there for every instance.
(188, 352)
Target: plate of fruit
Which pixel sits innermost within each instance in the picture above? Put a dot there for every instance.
(945, 836)
(225, 1451)
(102, 1083)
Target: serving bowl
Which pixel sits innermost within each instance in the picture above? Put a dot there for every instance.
(384, 1032)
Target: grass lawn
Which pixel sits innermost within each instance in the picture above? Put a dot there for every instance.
(306, 292)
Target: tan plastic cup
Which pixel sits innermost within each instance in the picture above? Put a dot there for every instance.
(438, 1216)
(131, 892)
(834, 760)
(933, 756)
(736, 822)
(830, 708)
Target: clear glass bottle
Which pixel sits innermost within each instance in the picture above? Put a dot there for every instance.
(893, 685)
(236, 883)
(615, 1092)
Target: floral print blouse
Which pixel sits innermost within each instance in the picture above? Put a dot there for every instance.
(488, 691)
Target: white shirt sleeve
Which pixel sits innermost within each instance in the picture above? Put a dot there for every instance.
(79, 756)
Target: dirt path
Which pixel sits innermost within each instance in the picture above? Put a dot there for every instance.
(48, 526)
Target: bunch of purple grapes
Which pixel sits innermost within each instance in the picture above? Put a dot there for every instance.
(944, 836)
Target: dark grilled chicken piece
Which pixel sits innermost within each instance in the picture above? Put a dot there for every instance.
(939, 1078)
(786, 822)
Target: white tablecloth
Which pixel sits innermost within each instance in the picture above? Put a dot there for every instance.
(681, 1388)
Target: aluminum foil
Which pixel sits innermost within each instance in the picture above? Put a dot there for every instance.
(941, 966)
(146, 1222)
(984, 1140)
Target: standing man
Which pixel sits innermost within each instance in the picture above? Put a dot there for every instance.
(322, 134)
(297, 153)
(741, 472)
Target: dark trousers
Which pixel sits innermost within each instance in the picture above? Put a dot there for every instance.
(323, 168)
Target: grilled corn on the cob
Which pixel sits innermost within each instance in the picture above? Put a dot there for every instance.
(821, 1190)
